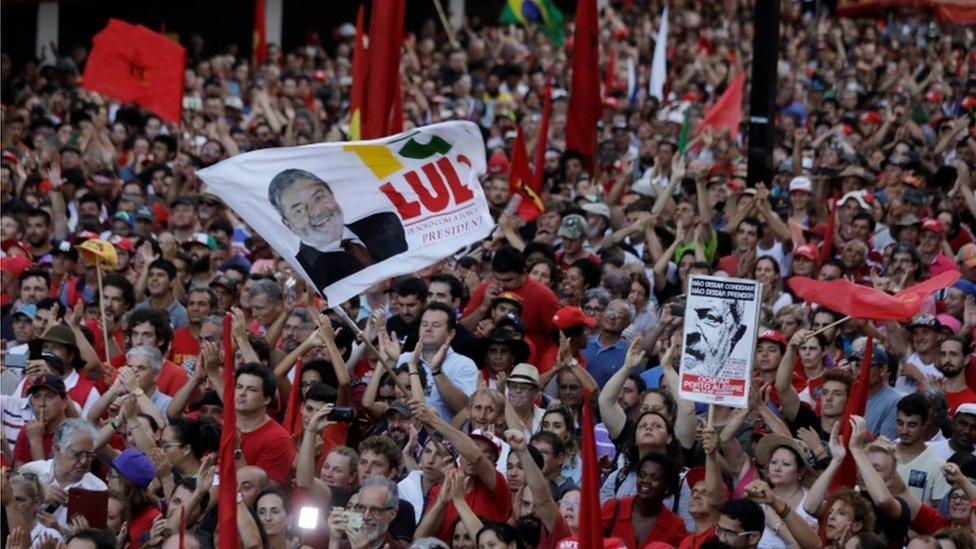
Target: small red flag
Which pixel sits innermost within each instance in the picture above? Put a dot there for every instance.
(383, 114)
(182, 527)
(727, 111)
(610, 78)
(520, 180)
(542, 138)
(590, 523)
(293, 416)
(846, 476)
(828, 244)
(358, 79)
(136, 65)
(259, 44)
(584, 93)
(870, 303)
(227, 493)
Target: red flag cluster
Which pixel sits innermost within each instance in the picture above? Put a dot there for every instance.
(136, 65)
(379, 71)
(584, 95)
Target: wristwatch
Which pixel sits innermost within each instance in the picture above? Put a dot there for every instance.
(139, 392)
(238, 454)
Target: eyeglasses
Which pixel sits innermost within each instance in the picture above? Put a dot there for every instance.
(370, 509)
(520, 387)
(81, 455)
(725, 532)
(958, 497)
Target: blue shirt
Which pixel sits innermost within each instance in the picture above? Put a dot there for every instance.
(881, 412)
(602, 362)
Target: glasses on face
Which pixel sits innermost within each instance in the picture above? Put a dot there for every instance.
(520, 387)
(81, 455)
(591, 311)
(373, 510)
(387, 399)
(614, 315)
(958, 497)
(726, 533)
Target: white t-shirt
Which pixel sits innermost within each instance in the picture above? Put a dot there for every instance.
(770, 540)
(942, 449)
(923, 476)
(44, 470)
(908, 386)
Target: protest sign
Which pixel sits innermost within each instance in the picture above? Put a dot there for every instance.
(721, 316)
(348, 215)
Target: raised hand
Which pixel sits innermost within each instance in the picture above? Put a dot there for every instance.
(709, 440)
(837, 449)
(438, 359)
(516, 439)
(635, 354)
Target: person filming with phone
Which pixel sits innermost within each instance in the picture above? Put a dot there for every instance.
(365, 524)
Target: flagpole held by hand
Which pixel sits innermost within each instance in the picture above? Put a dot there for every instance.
(369, 345)
(101, 310)
(827, 327)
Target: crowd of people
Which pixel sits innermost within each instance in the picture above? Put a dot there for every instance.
(454, 419)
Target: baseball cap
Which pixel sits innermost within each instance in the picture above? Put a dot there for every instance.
(967, 255)
(513, 320)
(24, 247)
(125, 217)
(234, 102)
(401, 407)
(525, 373)
(510, 297)
(808, 251)
(773, 335)
(203, 239)
(907, 219)
(573, 542)
(597, 208)
(54, 361)
(801, 183)
(497, 164)
(567, 317)
(934, 225)
(966, 408)
(924, 321)
(226, 282)
(27, 309)
(871, 117)
(143, 212)
(15, 265)
(572, 226)
(697, 474)
(493, 442)
(123, 243)
(857, 196)
(185, 199)
(965, 287)
(949, 322)
(51, 382)
(65, 248)
(878, 355)
(135, 467)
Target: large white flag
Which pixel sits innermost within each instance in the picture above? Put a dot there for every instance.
(347, 215)
(659, 65)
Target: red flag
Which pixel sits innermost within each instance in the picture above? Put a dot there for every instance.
(856, 403)
(870, 303)
(227, 494)
(384, 114)
(610, 78)
(293, 416)
(182, 527)
(828, 243)
(520, 181)
(542, 138)
(590, 523)
(584, 93)
(358, 79)
(136, 65)
(259, 44)
(727, 111)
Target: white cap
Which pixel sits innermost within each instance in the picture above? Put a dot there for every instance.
(801, 183)
(858, 196)
(598, 208)
(967, 408)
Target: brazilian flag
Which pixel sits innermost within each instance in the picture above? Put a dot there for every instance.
(543, 13)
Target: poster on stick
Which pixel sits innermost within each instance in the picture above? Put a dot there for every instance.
(348, 215)
(721, 319)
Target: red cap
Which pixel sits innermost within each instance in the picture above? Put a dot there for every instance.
(124, 243)
(567, 317)
(697, 474)
(820, 229)
(934, 225)
(934, 96)
(611, 102)
(497, 164)
(968, 102)
(83, 236)
(15, 265)
(871, 117)
(774, 336)
(808, 251)
(573, 542)
(14, 243)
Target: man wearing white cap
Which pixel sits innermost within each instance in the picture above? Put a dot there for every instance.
(962, 441)
(597, 225)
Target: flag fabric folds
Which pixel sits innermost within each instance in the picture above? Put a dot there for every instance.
(358, 79)
(227, 491)
(542, 139)
(293, 412)
(584, 95)
(727, 111)
(590, 522)
(867, 302)
(259, 42)
(659, 63)
(685, 130)
(384, 105)
(520, 181)
(542, 13)
(136, 65)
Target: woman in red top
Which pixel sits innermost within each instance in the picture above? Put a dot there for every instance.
(642, 519)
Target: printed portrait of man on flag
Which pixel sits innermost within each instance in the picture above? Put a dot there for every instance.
(330, 248)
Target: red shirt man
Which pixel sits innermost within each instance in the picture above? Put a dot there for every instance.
(264, 442)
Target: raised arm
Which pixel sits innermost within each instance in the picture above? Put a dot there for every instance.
(545, 507)
(873, 482)
(453, 397)
(468, 448)
(815, 497)
(614, 418)
(305, 463)
(788, 397)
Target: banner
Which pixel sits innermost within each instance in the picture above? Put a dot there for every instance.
(721, 316)
(347, 215)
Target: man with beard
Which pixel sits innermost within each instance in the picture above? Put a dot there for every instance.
(377, 503)
(952, 365)
(159, 286)
(409, 297)
(961, 444)
(544, 506)
(905, 268)
(202, 270)
(923, 352)
(330, 249)
(297, 328)
(183, 217)
(39, 234)
(398, 423)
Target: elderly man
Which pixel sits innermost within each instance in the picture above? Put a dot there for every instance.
(606, 350)
(74, 449)
(139, 377)
(331, 250)
(377, 503)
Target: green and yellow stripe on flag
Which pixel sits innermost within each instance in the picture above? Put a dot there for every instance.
(543, 13)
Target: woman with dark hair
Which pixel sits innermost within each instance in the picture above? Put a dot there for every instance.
(560, 421)
(543, 270)
(582, 275)
(644, 517)
(136, 472)
(185, 441)
(766, 271)
(273, 509)
(498, 535)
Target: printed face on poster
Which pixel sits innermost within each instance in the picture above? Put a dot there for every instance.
(348, 215)
(721, 319)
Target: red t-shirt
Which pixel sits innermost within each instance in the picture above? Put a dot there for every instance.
(184, 349)
(539, 305)
(141, 524)
(22, 450)
(958, 398)
(668, 528)
(560, 531)
(928, 521)
(270, 448)
(489, 505)
(99, 344)
(695, 541)
(548, 360)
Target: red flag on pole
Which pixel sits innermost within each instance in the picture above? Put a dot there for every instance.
(870, 303)
(610, 78)
(293, 416)
(542, 138)
(182, 527)
(259, 43)
(384, 113)
(136, 65)
(856, 403)
(520, 181)
(828, 244)
(358, 79)
(590, 523)
(584, 94)
(227, 494)
(727, 111)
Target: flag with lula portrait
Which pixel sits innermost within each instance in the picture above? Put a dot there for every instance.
(347, 215)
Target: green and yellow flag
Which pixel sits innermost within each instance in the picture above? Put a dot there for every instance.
(543, 13)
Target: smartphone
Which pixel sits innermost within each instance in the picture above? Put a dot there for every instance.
(354, 520)
(342, 413)
(677, 309)
(16, 361)
(91, 504)
(216, 481)
(308, 517)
